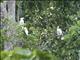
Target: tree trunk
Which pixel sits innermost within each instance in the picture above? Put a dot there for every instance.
(11, 10)
(8, 11)
(3, 11)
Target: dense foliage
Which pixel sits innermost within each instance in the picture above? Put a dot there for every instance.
(42, 19)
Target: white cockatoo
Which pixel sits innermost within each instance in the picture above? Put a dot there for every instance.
(25, 30)
(21, 22)
(59, 32)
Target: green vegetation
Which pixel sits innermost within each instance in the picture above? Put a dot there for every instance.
(41, 19)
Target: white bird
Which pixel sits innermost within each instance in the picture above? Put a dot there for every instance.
(59, 33)
(21, 22)
(26, 30)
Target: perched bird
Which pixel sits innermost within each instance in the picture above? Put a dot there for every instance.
(21, 22)
(25, 30)
(59, 33)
